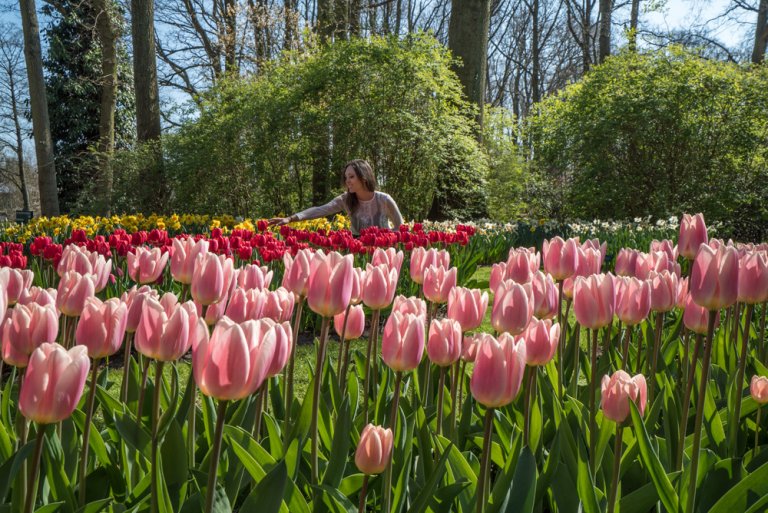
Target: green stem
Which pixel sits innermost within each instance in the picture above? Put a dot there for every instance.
(368, 358)
(441, 385)
(687, 402)
(700, 412)
(393, 417)
(616, 465)
(484, 462)
(29, 504)
(592, 386)
(560, 350)
(290, 369)
(210, 492)
(576, 359)
(87, 431)
(529, 394)
(761, 340)
(126, 366)
(654, 361)
(339, 362)
(625, 350)
(191, 421)
(259, 411)
(22, 431)
(757, 429)
(316, 396)
(155, 419)
(739, 386)
(363, 493)
(142, 392)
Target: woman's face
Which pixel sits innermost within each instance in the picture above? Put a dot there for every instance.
(352, 182)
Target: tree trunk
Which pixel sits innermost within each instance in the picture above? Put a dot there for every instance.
(761, 33)
(230, 37)
(633, 17)
(341, 19)
(325, 24)
(606, 7)
(535, 53)
(468, 40)
(354, 18)
(19, 139)
(41, 127)
(107, 34)
(290, 19)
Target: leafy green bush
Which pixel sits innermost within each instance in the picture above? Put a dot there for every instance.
(659, 134)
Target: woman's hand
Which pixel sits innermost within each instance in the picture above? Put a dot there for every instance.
(279, 221)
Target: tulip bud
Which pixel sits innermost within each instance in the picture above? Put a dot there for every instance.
(753, 278)
(593, 300)
(512, 307)
(695, 317)
(374, 450)
(25, 329)
(560, 257)
(693, 233)
(379, 286)
(74, 289)
(438, 282)
(541, 339)
(715, 277)
(498, 371)
(402, 343)
(102, 327)
(445, 341)
(618, 390)
(467, 306)
(633, 300)
(330, 283)
(758, 388)
(184, 254)
(355, 323)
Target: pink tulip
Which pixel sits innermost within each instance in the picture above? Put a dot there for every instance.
(753, 278)
(522, 264)
(512, 307)
(626, 261)
(409, 305)
(596, 245)
(3, 294)
(102, 326)
(234, 363)
(544, 296)
(74, 289)
(40, 296)
(470, 345)
(644, 264)
(695, 317)
(283, 335)
(53, 383)
(167, 337)
(445, 342)
(682, 293)
(560, 257)
(358, 278)
(402, 343)
(633, 300)
(211, 278)
(758, 388)
(666, 246)
(664, 289)
(330, 283)
(146, 265)
(355, 323)
(693, 233)
(593, 300)
(715, 277)
(378, 288)
(134, 301)
(588, 262)
(422, 258)
(254, 277)
(25, 328)
(374, 450)
(184, 254)
(498, 371)
(296, 275)
(244, 305)
(498, 274)
(438, 282)
(618, 390)
(278, 305)
(82, 261)
(389, 256)
(18, 283)
(467, 306)
(541, 339)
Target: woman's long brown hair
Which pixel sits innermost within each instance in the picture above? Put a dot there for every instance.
(364, 173)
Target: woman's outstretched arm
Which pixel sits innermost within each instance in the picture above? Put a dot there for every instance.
(334, 206)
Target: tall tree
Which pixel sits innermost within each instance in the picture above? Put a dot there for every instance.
(468, 40)
(761, 33)
(606, 9)
(41, 127)
(11, 85)
(633, 19)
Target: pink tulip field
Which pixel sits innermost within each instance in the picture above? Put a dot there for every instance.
(580, 376)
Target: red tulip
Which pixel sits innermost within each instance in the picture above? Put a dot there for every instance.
(593, 300)
(330, 283)
(715, 277)
(467, 306)
(25, 328)
(355, 323)
(693, 233)
(438, 282)
(618, 390)
(374, 450)
(512, 307)
(53, 383)
(498, 371)
(445, 342)
(102, 327)
(541, 339)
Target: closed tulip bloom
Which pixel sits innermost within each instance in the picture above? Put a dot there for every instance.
(633, 300)
(589, 261)
(184, 254)
(498, 274)
(438, 282)
(245, 305)
(470, 345)
(374, 450)
(18, 283)
(695, 317)
(278, 305)
(378, 288)
(254, 277)
(715, 277)
(593, 300)
(102, 327)
(296, 275)
(467, 306)
(25, 328)
(40, 296)
(74, 289)
(498, 371)
(512, 307)
(664, 289)
(355, 323)
(445, 342)
(618, 390)
(560, 257)
(626, 260)
(522, 264)
(661, 262)
(666, 246)
(409, 305)
(541, 339)
(283, 335)
(595, 244)
(753, 277)
(758, 389)
(682, 292)
(211, 278)
(134, 301)
(402, 343)
(544, 293)
(235, 361)
(166, 337)
(422, 258)
(53, 383)
(146, 265)
(82, 261)
(389, 256)
(693, 233)
(644, 264)
(358, 278)
(330, 283)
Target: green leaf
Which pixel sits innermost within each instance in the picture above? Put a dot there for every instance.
(337, 461)
(422, 500)
(584, 483)
(651, 461)
(335, 500)
(744, 495)
(523, 494)
(95, 506)
(61, 487)
(267, 495)
(53, 507)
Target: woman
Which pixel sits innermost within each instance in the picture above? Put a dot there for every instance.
(362, 202)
